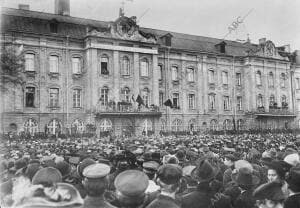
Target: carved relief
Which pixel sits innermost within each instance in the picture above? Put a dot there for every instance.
(123, 28)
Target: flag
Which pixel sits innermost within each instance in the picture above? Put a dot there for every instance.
(133, 98)
(168, 103)
(139, 100)
(234, 126)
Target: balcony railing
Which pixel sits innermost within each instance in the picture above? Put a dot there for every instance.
(283, 111)
(123, 108)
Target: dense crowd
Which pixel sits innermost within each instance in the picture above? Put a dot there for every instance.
(247, 170)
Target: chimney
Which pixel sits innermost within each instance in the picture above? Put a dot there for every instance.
(287, 48)
(62, 7)
(262, 41)
(24, 6)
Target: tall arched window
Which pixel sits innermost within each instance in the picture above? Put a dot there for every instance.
(282, 80)
(104, 65)
(126, 94)
(240, 124)
(260, 102)
(147, 124)
(258, 78)
(272, 100)
(192, 125)
(163, 125)
(177, 125)
(211, 101)
(174, 73)
(144, 68)
(54, 126)
(125, 65)
(146, 97)
(105, 125)
(104, 96)
(190, 74)
(284, 103)
(31, 126)
(271, 79)
(53, 64)
(29, 62)
(213, 125)
(77, 126)
(76, 65)
(211, 76)
(227, 125)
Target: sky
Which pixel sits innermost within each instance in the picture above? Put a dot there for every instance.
(275, 20)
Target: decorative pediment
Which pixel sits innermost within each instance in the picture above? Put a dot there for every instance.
(268, 50)
(124, 28)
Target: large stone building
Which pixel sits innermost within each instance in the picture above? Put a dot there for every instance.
(118, 77)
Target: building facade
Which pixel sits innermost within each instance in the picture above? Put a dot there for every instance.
(126, 79)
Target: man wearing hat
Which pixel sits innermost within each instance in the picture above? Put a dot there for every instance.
(293, 181)
(204, 174)
(270, 195)
(168, 178)
(130, 188)
(95, 184)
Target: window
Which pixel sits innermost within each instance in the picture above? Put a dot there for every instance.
(211, 76)
(54, 126)
(53, 63)
(271, 79)
(211, 101)
(77, 126)
(29, 62)
(213, 125)
(174, 73)
(239, 103)
(104, 65)
(147, 125)
(54, 97)
(144, 68)
(227, 125)
(76, 65)
(225, 78)
(126, 66)
(29, 97)
(105, 125)
(31, 126)
(126, 95)
(282, 80)
(297, 83)
(226, 103)
(161, 99)
(160, 72)
(190, 75)
(192, 125)
(104, 96)
(191, 100)
(272, 100)
(240, 124)
(53, 27)
(260, 101)
(283, 101)
(76, 98)
(146, 97)
(176, 100)
(176, 125)
(238, 79)
(258, 78)
(163, 125)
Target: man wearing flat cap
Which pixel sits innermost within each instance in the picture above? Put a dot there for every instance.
(150, 169)
(168, 178)
(130, 189)
(95, 184)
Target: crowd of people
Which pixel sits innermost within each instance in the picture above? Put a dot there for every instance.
(209, 171)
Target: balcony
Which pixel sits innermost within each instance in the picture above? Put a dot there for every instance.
(273, 112)
(124, 109)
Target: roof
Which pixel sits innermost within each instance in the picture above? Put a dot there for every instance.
(74, 27)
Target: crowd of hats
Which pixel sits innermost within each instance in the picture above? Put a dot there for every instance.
(195, 159)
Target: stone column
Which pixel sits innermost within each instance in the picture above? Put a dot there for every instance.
(92, 87)
(116, 77)
(204, 88)
(155, 90)
(136, 74)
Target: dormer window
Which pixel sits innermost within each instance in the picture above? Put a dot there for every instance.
(221, 47)
(53, 26)
(167, 39)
